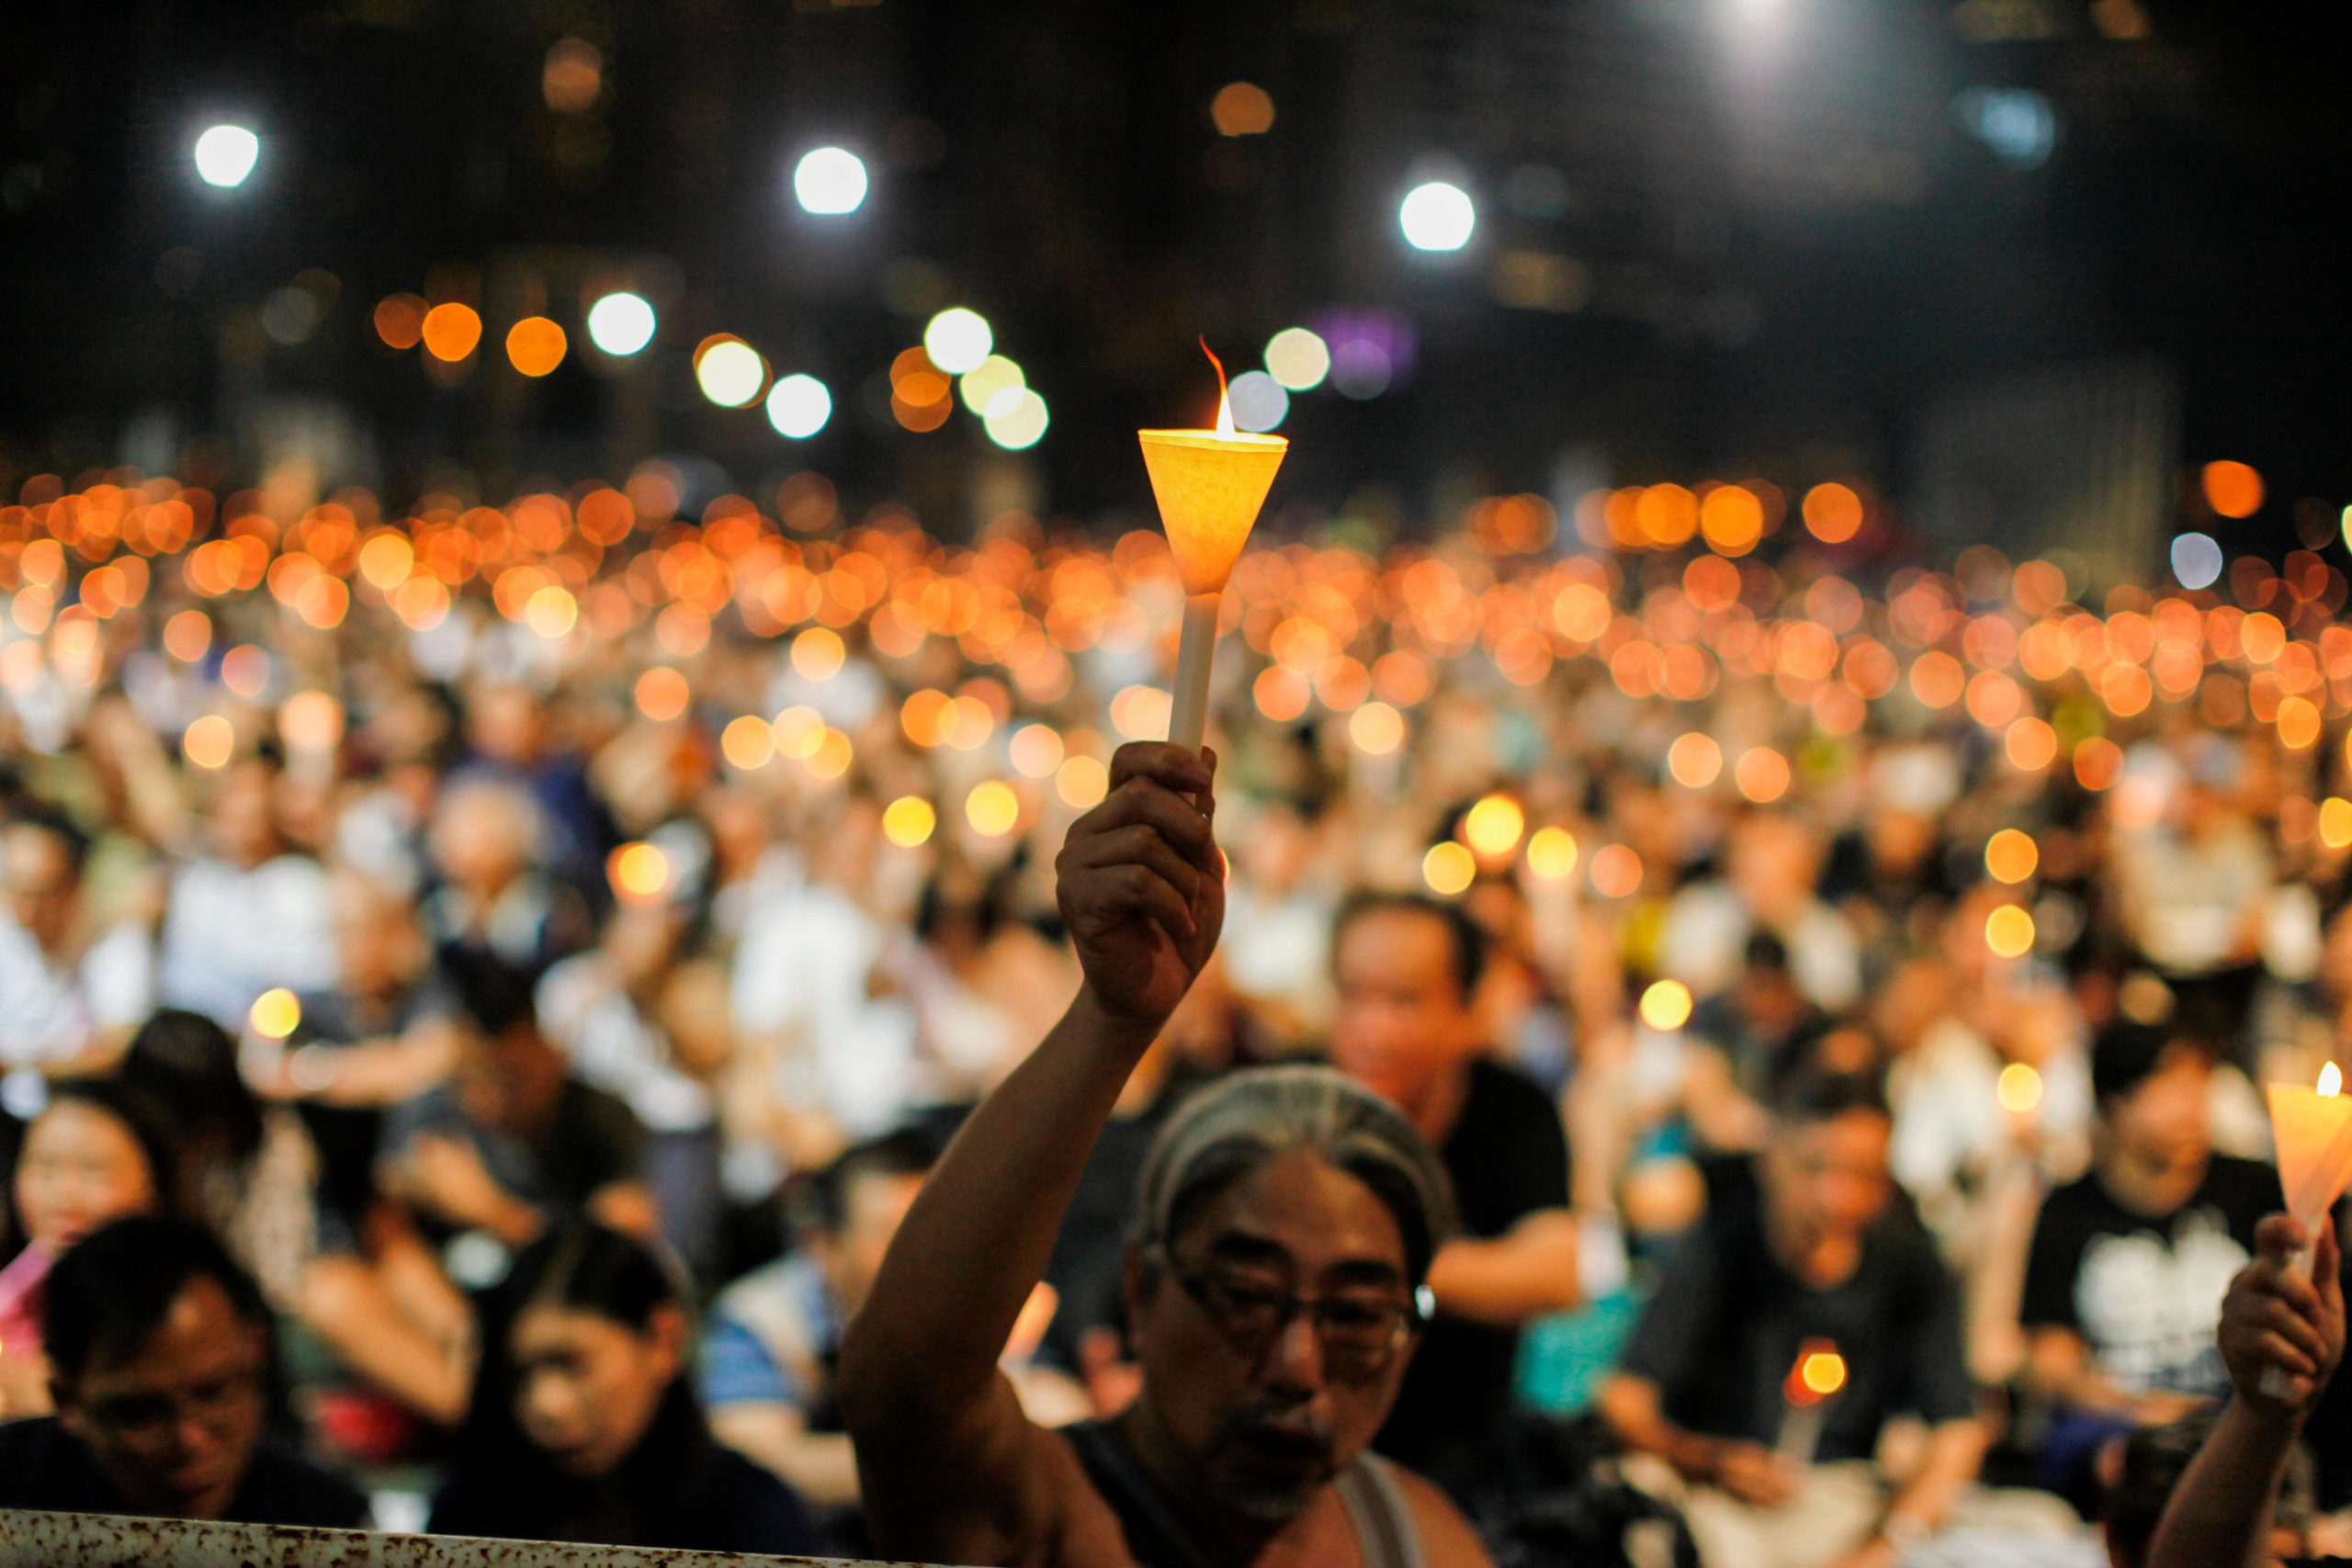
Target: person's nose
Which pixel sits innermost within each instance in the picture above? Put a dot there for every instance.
(1295, 1363)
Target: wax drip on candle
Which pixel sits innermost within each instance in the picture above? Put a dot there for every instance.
(1225, 430)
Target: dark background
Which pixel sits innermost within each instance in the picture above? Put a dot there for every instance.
(1772, 242)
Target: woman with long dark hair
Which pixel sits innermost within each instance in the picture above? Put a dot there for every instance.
(583, 1426)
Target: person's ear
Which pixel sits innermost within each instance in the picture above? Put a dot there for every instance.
(69, 1413)
(665, 1331)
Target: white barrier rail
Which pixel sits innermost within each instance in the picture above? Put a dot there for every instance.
(29, 1540)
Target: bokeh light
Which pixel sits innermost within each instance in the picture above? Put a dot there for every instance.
(908, 821)
(1258, 400)
(1833, 513)
(638, 871)
(1437, 216)
(2195, 559)
(276, 1014)
(225, 155)
(798, 406)
(1297, 359)
(621, 323)
(535, 345)
(2019, 1089)
(1552, 854)
(992, 808)
(1016, 419)
(451, 330)
(2011, 855)
(748, 743)
(2008, 931)
(1666, 1005)
(958, 340)
(1493, 826)
(830, 181)
(1082, 782)
(399, 320)
(1449, 869)
(208, 742)
(730, 372)
(2232, 490)
(1242, 109)
(995, 373)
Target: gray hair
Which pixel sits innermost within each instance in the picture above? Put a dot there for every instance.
(1250, 1119)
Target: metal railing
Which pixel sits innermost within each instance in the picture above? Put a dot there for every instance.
(29, 1540)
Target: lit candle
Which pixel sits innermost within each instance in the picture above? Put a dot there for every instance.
(1813, 1382)
(2312, 1130)
(1209, 485)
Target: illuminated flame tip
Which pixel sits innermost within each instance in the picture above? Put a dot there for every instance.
(2330, 1079)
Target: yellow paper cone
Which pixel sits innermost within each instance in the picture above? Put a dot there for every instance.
(2314, 1134)
(1209, 488)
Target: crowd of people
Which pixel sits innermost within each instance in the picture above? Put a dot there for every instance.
(1752, 1049)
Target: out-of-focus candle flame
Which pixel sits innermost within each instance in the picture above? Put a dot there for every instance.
(2330, 1079)
(1225, 430)
(1819, 1372)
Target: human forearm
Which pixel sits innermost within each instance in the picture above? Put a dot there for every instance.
(986, 1220)
(820, 1466)
(1630, 1405)
(2220, 1513)
(1955, 1453)
(1506, 1281)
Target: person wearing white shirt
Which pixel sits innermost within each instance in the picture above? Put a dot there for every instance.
(250, 916)
(70, 995)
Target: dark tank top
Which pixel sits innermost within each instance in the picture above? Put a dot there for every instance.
(1158, 1537)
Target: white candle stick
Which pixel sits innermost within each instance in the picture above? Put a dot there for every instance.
(1188, 716)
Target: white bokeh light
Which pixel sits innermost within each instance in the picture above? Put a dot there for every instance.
(621, 324)
(958, 340)
(798, 406)
(829, 181)
(732, 374)
(1297, 359)
(1438, 216)
(2196, 560)
(1016, 419)
(225, 155)
(1258, 402)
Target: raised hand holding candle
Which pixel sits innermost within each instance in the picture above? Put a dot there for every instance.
(1209, 485)
(1815, 1379)
(2312, 1130)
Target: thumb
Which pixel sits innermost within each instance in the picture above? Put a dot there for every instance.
(2279, 1237)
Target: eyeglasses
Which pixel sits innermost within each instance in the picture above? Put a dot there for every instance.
(1360, 1328)
(144, 1419)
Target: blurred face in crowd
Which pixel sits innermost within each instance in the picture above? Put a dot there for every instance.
(1773, 864)
(587, 1386)
(79, 1169)
(243, 821)
(1403, 1025)
(173, 1422)
(482, 837)
(506, 723)
(376, 938)
(873, 1208)
(1826, 1183)
(2166, 1118)
(38, 873)
(1251, 1406)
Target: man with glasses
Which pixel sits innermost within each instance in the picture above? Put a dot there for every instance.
(1273, 1291)
(159, 1354)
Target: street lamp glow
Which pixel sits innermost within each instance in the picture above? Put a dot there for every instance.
(225, 155)
(621, 324)
(829, 181)
(798, 406)
(1437, 216)
(958, 340)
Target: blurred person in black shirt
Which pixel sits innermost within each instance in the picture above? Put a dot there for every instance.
(160, 1352)
(1822, 1252)
(2123, 1284)
(1407, 969)
(583, 1426)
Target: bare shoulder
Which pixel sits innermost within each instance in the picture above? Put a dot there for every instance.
(1447, 1539)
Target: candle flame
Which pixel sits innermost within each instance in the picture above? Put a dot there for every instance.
(1819, 1372)
(2330, 1079)
(1224, 399)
